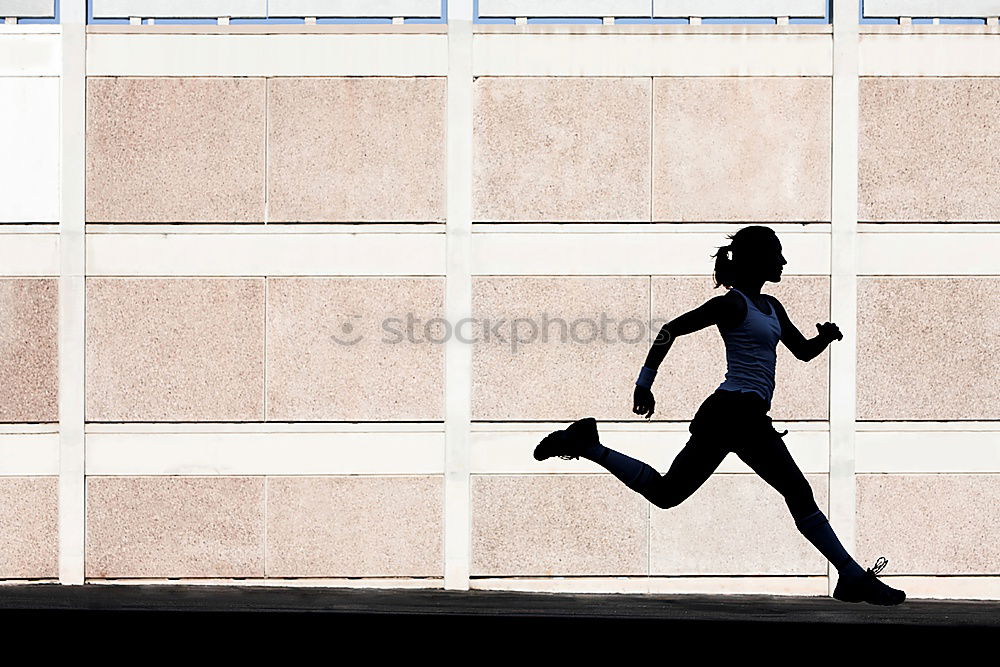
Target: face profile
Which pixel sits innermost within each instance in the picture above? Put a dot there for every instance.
(777, 263)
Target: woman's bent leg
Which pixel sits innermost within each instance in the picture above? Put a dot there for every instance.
(689, 470)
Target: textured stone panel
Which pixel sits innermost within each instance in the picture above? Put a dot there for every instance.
(355, 526)
(175, 527)
(557, 525)
(175, 149)
(741, 149)
(927, 149)
(356, 149)
(543, 373)
(29, 524)
(928, 348)
(341, 349)
(561, 149)
(695, 364)
(735, 524)
(29, 350)
(930, 524)
(175, 349)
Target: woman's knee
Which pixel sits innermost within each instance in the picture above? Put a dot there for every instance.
(665, 497)
(665, 504)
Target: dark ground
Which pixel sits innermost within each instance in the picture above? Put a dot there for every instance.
(493, 621)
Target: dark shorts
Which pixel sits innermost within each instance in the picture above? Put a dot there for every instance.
(733, 415)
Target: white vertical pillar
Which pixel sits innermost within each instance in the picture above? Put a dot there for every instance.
(844, 278)
(73, 14)
(458, 298)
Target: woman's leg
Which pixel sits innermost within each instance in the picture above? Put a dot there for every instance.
(769, 457)
(689, 470)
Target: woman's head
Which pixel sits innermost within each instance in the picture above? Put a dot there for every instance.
(754, 254)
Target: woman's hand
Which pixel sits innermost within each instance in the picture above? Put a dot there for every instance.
(643, 402)
(830, 331)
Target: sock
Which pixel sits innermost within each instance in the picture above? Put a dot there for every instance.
(817, 529)
(635, 474)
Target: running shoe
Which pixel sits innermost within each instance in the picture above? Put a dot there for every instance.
(570, 442)
(868, 588)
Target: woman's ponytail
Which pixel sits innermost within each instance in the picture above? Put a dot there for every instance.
(725, 271)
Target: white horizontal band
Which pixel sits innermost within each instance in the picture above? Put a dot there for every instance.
(919, 249)
(927, 426)
(30, 453)
(415, 453)
(929, 55)
(510, 452)
(652, 55)
(302, 251)
(321, 54)
(26, 53)
(928, 253)
(281, 428)
(300, 582)
(952, 451)
(636, 249)
(29, 250)
(401, 449)
(747, 585)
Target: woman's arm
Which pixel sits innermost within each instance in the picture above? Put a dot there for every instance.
(721, 310)
(801, 347)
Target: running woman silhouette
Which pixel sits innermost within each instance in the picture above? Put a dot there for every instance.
(734, 418)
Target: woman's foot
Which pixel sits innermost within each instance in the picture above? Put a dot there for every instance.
(571, 442)
(868, 588)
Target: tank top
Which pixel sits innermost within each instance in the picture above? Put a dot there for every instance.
(751, 352)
